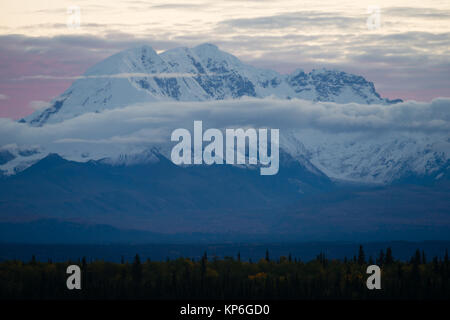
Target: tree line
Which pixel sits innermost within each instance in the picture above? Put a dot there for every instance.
(231, 278)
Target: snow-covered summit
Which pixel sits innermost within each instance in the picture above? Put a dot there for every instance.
(194, 74)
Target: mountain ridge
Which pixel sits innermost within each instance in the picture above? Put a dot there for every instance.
(195, 74)
(164, 198)
(206, 73)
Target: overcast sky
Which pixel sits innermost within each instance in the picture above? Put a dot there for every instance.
(407, 56)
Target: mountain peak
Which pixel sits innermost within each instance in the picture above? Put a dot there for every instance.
(136, 59)
(324, 70)
(137, 49)
(204, 72)
(143, 50)
(297, 71)
(207, 46)
(145, 47)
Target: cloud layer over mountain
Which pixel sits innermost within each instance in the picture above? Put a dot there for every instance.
(153, 122)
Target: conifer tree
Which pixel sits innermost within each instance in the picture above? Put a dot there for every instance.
(361, 256)
(389, 258)
(380, 260)
(137, 269)
(417, 258)
(424, 259)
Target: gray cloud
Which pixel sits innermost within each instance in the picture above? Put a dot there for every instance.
(134, 129)
(301, 19)
(412, 12)
(110, 76)
(139, 120)
(183, 6)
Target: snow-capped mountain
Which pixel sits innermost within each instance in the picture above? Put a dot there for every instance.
(203, 73)
(195, 74)
(355, 157)
(100, 154)
(368, 158)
